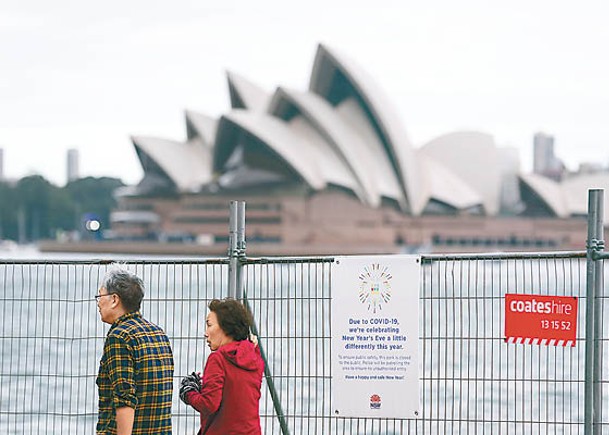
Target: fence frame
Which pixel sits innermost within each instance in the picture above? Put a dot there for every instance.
(595, 245)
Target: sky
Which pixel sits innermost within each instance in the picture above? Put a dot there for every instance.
(88, 75)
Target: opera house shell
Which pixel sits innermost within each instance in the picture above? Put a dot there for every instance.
(331, 170)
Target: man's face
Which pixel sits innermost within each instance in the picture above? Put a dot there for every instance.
(106, 304)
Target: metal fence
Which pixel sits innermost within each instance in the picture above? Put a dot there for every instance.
(51, 337)
(473, 382)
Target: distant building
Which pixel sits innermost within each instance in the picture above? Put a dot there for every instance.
(509, 165)
(590, 168)
(73, 172)
(331, 169)
(543, 152)
(544, 160)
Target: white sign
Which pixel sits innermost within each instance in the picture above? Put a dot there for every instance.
(375, 334)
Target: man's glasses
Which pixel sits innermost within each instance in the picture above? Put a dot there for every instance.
(100, 296)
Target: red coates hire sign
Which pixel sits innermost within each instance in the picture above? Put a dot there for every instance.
(546, 320)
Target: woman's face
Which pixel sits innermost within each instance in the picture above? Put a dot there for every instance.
(215, 336)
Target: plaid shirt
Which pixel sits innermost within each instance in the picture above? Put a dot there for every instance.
(136, 370)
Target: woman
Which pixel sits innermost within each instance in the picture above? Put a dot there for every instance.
(228, 395)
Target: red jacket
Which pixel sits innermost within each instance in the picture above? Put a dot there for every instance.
(228, 401)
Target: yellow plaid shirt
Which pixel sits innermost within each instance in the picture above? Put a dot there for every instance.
(136, 370)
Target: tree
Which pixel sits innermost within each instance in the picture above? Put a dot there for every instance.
(94, 195)
(8, 216)
(32, 203)
(44, 206)
(33, 208)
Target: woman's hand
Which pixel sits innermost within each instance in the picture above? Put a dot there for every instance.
(253, 339)
(189, 383)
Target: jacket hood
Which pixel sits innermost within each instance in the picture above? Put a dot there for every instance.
(244, 354)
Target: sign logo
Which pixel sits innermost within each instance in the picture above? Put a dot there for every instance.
(545, 320)
(375, 401)
(375, 286)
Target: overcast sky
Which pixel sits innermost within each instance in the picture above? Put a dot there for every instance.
(87, 75)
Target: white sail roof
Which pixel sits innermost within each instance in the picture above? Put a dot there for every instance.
(474, 158)
(444, 186)
(203, 126)
(245, 94)
(294, 142)
(187, 164)
(383, 116)
(549, 192)
(575, 190)
(365, 160)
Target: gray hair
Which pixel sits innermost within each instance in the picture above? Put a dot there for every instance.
(128, 286)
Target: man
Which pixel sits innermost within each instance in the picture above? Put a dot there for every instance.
(135, 377)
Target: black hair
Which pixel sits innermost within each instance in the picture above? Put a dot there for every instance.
(234, 319)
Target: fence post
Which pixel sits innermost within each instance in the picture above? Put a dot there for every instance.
(236, 249)
(594, 281)
(237, 257)
(240, 247)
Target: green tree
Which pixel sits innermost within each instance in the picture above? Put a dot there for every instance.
(94, 195)
(33, 208)
(33, 203)
(8, 212)
(61, 211)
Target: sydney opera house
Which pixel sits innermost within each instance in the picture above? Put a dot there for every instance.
(331, 170)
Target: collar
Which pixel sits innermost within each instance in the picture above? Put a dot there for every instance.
(127, 316)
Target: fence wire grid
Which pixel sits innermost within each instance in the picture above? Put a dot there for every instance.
(472, 381)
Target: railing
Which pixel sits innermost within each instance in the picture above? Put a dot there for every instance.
(472, 381)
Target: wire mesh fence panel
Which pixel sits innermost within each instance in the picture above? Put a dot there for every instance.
(49, 348)
(476, 382)
(472, 380)
(51, 338)
(290, 302)
(604, 349)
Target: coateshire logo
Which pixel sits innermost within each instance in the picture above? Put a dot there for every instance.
(375, 401)
(375, 286)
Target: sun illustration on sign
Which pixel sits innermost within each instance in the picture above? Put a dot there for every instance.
(375, 286)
